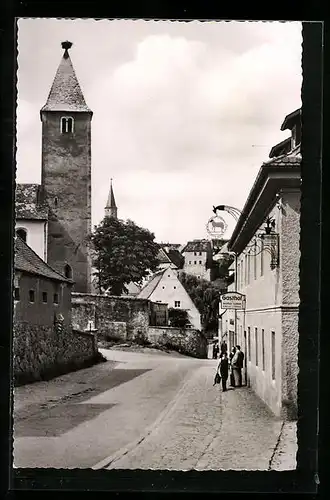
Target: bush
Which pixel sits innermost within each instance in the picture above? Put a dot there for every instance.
(178, 317)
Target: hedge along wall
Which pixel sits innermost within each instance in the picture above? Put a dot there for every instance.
(42, 352)
(187, 341)
(124, 318)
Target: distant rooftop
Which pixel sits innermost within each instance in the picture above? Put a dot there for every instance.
(197, 246)
(150, 286)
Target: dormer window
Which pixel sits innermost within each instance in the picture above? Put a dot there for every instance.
(67, 123)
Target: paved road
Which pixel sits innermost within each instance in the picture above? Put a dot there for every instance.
(142, 410)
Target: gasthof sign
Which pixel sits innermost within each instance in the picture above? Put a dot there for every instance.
(232, 300)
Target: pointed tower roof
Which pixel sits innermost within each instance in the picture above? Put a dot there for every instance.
(111, 203)
(65, 94)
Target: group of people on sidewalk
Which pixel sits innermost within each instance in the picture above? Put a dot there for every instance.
(232, 365)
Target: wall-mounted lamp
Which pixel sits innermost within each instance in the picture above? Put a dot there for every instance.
(266, 240)
(270, 241)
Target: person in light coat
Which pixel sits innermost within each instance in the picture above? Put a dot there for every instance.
(237, 365)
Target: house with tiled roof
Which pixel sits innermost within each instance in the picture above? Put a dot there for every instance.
(198, 258)
(44, 342)
(165, 287)
(54, 217)
(40, 291)
(265, 242)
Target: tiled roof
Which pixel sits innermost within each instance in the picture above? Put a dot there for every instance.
(176, 257)
(291, 158)
(151, 285)
(197, 246)
(65, 94)
(27, 260)
(162, 257)
(27, 203)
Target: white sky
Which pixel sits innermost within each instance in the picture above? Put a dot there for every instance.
(184, 113)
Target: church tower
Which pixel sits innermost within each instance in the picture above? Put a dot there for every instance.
(66, 175)
(111, 207)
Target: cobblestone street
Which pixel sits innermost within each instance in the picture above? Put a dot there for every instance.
(148, 411)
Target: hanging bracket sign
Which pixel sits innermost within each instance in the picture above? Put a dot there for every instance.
(232, 300)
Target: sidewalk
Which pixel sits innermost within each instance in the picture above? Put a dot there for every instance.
(207, 429)
(199, 427)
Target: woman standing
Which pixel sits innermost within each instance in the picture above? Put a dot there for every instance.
(223, 369)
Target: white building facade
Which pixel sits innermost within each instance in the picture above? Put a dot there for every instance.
(165, 287)
(267, 273)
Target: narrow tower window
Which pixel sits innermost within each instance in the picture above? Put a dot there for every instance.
(68, 271)
(21, 233)
(55, 202)
(67, 125)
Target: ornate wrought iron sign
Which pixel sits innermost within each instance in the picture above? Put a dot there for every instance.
(216, 227)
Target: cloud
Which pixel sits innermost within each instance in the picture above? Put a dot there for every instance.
(184, 113)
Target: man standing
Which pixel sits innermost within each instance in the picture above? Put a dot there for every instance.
(223, 369)
(223, 347)
(215, 350)
(237, 365)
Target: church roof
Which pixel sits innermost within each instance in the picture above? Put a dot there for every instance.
(111, 203)
(28, 261)
(65, 93)
(28, 204)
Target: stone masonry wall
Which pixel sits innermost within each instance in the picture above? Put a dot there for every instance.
(110, 314)
(187, 341)
(42, 351)
(66, 179)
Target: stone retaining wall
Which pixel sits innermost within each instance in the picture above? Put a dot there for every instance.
(187, 341)
(122, 318)
(41, 352)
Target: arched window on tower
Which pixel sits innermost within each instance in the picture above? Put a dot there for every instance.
(22, 233)
(67, 123)
(55, 202)
(68, 271)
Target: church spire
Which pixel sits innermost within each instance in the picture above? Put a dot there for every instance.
(111, 207)
(65, 93)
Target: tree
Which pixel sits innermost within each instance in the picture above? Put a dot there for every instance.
(206, 296)
(123, 253)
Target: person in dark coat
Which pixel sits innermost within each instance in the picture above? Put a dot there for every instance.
(223, 370)
(215, 350)
(223, 347)
(231, 355)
